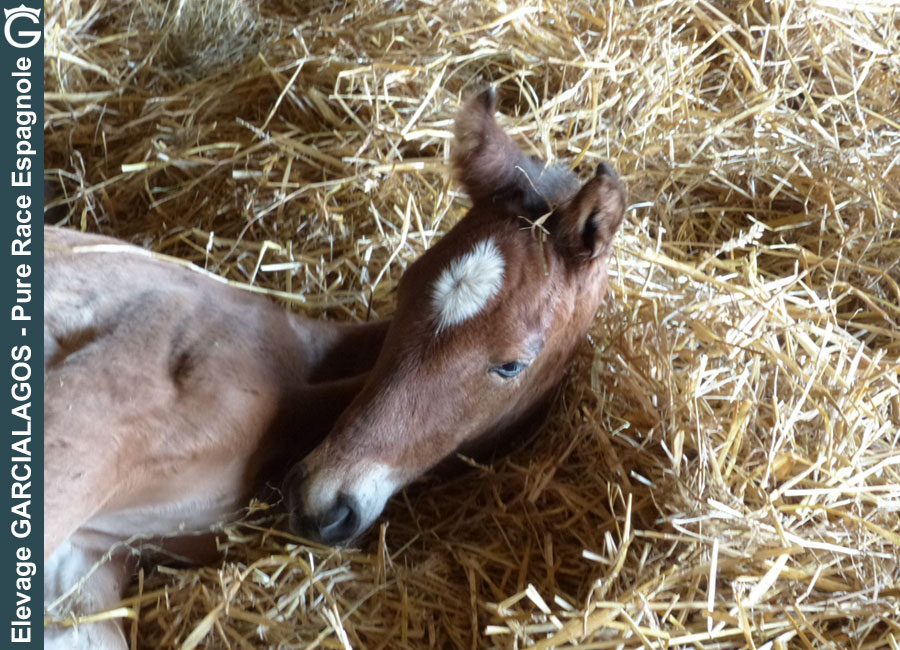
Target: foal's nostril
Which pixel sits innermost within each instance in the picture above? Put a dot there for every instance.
(605, 169)
(334, 518)
(340, 523)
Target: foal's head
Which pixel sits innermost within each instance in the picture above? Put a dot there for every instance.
(486, 323)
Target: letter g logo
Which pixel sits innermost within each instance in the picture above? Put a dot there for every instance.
(30, 37)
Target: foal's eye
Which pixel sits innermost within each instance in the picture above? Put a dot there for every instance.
(509, 370)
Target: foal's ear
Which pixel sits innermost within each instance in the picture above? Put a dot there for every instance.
(584, 228)
(484, 156)
(493, 170)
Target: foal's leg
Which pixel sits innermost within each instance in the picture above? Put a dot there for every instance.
(95, 585)
(343, 350)
(306, 416)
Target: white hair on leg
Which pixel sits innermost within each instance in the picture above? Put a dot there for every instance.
(464, 288)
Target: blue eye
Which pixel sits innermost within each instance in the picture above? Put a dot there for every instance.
(509, 370)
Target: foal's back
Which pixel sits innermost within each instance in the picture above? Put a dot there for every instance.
(158, 379)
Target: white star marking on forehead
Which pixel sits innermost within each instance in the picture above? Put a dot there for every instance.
(464, 288)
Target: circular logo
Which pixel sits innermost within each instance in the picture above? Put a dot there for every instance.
(22, 38)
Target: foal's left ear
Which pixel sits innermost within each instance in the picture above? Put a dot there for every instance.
(584, 227)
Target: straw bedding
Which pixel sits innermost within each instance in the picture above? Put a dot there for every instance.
(722, 468)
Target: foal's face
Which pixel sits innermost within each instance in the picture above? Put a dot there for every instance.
(486, 323)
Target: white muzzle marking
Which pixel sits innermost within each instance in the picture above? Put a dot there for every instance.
(369, 486)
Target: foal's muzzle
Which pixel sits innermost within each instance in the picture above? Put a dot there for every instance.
(337, 524)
